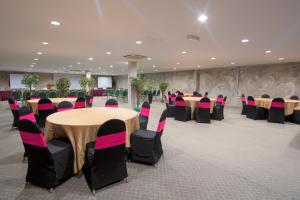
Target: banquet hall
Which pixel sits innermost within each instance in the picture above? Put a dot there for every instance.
(140, 99)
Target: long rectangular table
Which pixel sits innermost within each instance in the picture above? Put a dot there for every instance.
(97, 92)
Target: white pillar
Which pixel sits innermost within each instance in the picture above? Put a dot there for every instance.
(132, 72)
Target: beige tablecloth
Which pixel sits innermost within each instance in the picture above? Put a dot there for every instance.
(193, 102)
(33, 103)
(289, 104)
(81, 126)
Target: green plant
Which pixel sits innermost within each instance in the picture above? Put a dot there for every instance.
(149, 84)
(29, 80)
(137, 83)
(163, 87)
(87, 84)
(63, 85)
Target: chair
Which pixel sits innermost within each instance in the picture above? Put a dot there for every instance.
(196, 94)
(53, 94)
(26, 113)
(73, 94)
(276, 112)
(202, 112)
(64, 105)
(146, 145)
(173, 99)
(294, 97)
(112, 103)
(49, 163)
(80, 94)
(180, 94)
(182, 112)
(43, 95)
(80, 103)
(170, 108)
(218, 109)
(45, 108)
(244, 104)
(206, 94)
(254, 112)
(296, 117)
(265, 96)
(105, 159)
(89, 101)
(144, 115)
(14, 107)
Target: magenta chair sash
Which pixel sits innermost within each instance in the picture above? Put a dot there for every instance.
(173, 99)
(91, 101)
(33, 139)
(29, 116)
(45, 106)
(111, 106)
(14, 106)
(80, 104)
(244, 99)
(72, 97)
(63, 109)
(161, 126)
(166, 101)
(221, 100)
(145, 112)
(251, 103)
(204, 104)
(107, 141)
(180, 103)
(277, 104)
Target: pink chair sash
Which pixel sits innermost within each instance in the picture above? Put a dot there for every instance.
(107, 141)
(180, 103)
(80, 104)
(161, 126)
(145, 112)
(243, 99)
(204, 104)
(91, 101)
(33, 139)
(72, 97)
(251, 103)
(29, 116)
(14, 106)
(111, 105)
(63, 109)
(173, 99)
(277, 104)
(45, 106)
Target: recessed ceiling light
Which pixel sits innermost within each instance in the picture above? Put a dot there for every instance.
(280, 58)
(268, 51)
(45, 43)
(139, 42)
(178, 63)
(149, 58)
(108, 53)
(78, 63)
(90, 58)
(156, 70)
(99, 68)
(184, 52)
(153, 66)
(199, 66)
(233, 63)
(39, 53)
(31, 66)
(55, 23)
(244, 40)
(111, 66)
(36, 59)
(213, 58)
(202, 18)
(174, 68)
(33, 63)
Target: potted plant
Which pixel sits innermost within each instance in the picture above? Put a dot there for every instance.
(87, 84)
(63, 85)
(137, 83)
(163, 87)
(149, 85)
(29, 80)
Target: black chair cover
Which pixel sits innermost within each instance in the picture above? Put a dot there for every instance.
(144, 115)
(294, 97)
(296, 117)
(276, 112)
(112, 103)
(45, 108)
(146, 145)
(218, 108)
(265, 96)
(89, 101)
(14, 107)
(64, 105)
(244, 104)
(182, 112)
(49, 164)
(105, 159)
(254, 112)
(80, 103)
(202, 112)
(170, 108)
(26, 113)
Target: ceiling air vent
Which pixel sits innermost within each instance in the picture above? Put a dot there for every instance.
(192, 37)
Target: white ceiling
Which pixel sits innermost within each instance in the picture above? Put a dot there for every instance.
(90, 28)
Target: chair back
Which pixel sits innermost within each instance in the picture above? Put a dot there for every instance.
(42, 95)
(180, 94)
(26, 113)
(80, 103)
(294, 97)
(265, 96)
(162, 122)
(244, 101)
(277, 103)
(45, 105)
(89, 101)
(204, 103)
(145, 110)
(64, 105)
(179, 102)
(13, 104)
(206, 94)
(220, 101)
(251, 101)
(173, 98)
(111, 103)
(276, 112)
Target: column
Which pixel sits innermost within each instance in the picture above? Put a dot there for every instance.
(132, 72)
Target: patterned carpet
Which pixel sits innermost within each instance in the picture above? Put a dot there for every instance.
(236, 158)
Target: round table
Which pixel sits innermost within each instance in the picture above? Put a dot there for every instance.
(193, 101)
(81, 127)
(34, 102)
(289, 104)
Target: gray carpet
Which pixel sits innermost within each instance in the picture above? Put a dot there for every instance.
(236, 158)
